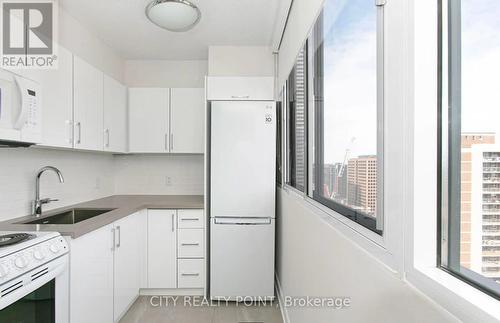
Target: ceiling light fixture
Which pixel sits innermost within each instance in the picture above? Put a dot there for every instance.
(173, 15)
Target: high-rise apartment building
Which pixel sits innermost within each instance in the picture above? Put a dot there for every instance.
(485, 210)
(468, 140)
(362, 183)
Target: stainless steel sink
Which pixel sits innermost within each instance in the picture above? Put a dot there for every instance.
(69, 217)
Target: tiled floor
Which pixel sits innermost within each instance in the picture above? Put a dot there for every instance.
(143, 311)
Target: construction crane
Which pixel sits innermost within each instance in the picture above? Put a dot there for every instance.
(340, 171)
(346, 156)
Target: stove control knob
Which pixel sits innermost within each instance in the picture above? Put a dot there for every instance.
(21, 262)
(4, 270)
(38, 254)
(54, 248)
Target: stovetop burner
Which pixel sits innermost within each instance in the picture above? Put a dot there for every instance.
(13, 238)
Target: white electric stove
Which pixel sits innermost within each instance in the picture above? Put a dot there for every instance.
(33, 277)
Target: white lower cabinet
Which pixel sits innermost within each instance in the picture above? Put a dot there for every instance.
(162, 245)
(176, 249)
(105, 271)
(145, 250)
(127, 262)
(91, 277)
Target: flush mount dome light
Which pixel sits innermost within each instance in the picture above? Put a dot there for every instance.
(173, 15)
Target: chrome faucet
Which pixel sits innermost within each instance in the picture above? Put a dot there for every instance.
(37, 203)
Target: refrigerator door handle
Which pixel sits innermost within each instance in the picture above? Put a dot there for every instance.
(242, 221)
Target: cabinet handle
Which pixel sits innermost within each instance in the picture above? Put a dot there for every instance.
(173, 216)
(114, 239)
(190, 244)
(106, 131)
(79, 126)
(166, 141)
(190, 219)
(190, 274)
(118, 228)
(171, 142)
(240, 96)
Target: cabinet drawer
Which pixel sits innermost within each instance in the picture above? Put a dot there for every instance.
(190, 219)
(190, 243)
(191, 273)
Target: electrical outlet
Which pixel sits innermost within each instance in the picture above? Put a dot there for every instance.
(97, 183)
(168, 181)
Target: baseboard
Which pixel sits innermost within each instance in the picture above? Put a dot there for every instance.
(281, 300)
(172, 292)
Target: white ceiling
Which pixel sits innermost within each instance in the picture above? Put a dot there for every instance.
(123, 26)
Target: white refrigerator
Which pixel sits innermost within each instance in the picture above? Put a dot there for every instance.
(242, 199)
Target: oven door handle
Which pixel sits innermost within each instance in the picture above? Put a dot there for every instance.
(54, 268)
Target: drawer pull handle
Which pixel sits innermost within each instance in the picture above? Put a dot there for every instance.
(190, 244)
(190, 274)
(190, 219)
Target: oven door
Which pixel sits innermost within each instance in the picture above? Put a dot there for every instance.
(39, 296)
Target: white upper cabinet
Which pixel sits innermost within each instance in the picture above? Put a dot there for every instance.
(187, 124)
(240, 88)
(149, 120)
(57, 100)
(88, 105)
(115, 116)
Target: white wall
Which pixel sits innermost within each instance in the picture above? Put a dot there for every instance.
(79, 40)
(315, 259)
(240, 61)
(147, 174)
(164, 73)
(87, 176)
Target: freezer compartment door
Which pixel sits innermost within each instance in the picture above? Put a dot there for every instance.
(243, 159)
(242, 258)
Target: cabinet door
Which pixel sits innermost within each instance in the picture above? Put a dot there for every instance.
(88, 105)
(57, 100)
(148, 120)
(162, 249)
(187, 110)
(127, 263)
(115, 115)
(91, 277)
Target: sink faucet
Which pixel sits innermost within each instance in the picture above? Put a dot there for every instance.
(37, 203)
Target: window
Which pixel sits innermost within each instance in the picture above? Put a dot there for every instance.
(469, 146)
(348, 110)
(297, 119)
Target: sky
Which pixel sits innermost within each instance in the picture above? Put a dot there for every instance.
(350, 73)
(481, 66)
(350, 78)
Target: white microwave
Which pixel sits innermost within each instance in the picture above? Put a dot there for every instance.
(20, 109)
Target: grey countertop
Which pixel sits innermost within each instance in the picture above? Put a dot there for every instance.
(123, 206)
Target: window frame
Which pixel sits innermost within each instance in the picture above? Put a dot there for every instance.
(449, 149)
(376, 225)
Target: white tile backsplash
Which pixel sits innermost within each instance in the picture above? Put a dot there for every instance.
(87, 176)
(159, 174)
(90, 175)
